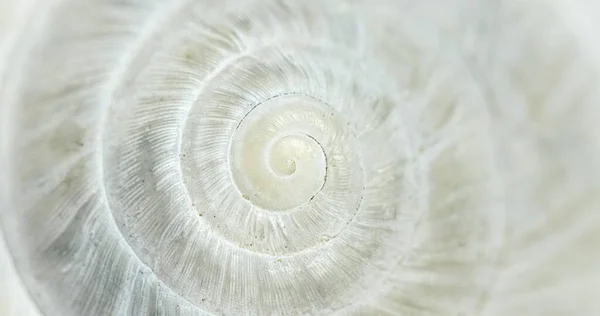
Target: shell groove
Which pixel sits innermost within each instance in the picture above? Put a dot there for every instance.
(300, 157)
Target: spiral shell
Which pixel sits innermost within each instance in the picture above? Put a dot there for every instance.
(301, 157)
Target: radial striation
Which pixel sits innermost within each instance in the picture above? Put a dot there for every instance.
(299, 157)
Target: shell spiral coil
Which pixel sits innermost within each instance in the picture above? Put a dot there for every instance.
(300, 157)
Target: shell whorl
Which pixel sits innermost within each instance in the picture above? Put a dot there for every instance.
(288, 157)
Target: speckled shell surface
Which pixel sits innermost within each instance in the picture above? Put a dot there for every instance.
(299, 157)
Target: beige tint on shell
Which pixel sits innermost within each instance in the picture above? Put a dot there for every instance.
(279, 157)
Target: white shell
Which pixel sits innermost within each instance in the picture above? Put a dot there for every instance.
(299, 157)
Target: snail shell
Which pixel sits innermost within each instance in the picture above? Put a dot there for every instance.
(292, 157)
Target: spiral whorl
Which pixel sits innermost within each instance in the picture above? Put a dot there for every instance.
(269, 167)
(290, 157)
(276, 162)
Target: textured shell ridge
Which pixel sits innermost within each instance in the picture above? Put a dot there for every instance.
(279, 157)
